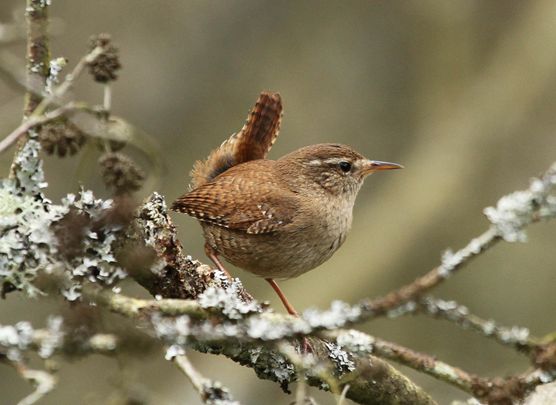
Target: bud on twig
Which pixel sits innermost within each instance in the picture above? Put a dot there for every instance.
(104, 67)
(121, 173)
(61, 136)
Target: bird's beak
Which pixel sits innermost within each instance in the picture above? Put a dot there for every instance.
(371, 166)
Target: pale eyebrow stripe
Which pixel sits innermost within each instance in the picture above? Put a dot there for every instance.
(336, 160)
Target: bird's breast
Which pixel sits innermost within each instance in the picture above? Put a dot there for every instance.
(311, 239)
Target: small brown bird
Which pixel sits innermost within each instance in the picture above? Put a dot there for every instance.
(275, 218)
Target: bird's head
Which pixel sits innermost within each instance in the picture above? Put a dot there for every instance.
(333, 168)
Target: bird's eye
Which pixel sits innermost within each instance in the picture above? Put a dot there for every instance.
(345, 166)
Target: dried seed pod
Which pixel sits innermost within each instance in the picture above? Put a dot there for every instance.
(104, 67)
(120, 173)
(61, 136)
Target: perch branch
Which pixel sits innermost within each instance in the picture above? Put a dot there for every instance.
(390, 386)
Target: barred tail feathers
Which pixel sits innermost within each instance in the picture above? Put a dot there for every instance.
(253, 141)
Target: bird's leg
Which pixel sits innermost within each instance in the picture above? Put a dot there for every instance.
(306, 348)
(211, 254)
(289, 307)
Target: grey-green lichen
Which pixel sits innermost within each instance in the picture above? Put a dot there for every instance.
(228, 300)
(29, 244)
(518, 209)
(95, 261)
(355, 341)
(26, 245)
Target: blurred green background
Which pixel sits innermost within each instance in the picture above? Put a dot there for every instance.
(462, 93)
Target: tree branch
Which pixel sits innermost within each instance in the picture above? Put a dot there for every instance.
(38, 52)
(514, 336)
(389, 385)
(36, 120)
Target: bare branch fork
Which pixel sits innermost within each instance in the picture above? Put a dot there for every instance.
(44, 383)
(40, 116)
(210, 392)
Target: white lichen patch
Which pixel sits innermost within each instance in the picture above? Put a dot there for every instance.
(174, 351)
(355, 341)
(96, 263)
(450, 309)
(515, 211)
(452, 260)
(18, 338)
(337, 316)
(511, 215)
(264, 328)
(154, 209)
(55, 67)
(515, 334)
(53, 339)
(446, 371)
(228, 300)
(26, 246)
(449, 262)
(175, 330)
(15, 339)
(406, 308)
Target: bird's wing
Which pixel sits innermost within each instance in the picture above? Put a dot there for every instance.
(251, 143)
(246, 203)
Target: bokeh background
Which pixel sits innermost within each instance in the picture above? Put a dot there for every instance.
(462, 93)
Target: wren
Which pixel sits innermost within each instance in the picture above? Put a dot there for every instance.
(275, 218)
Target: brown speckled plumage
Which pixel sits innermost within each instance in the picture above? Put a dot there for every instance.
(275, 218)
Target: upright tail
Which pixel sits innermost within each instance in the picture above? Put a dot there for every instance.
(253, 141)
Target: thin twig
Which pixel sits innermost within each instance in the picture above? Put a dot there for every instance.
(196, 379)
(107, 97)
(425, 363)
(39, 116)
(210, 392)
(513, 336)
(342, 398)
(44, 383)
(36, 120)
(380, 306)
(60, 90)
